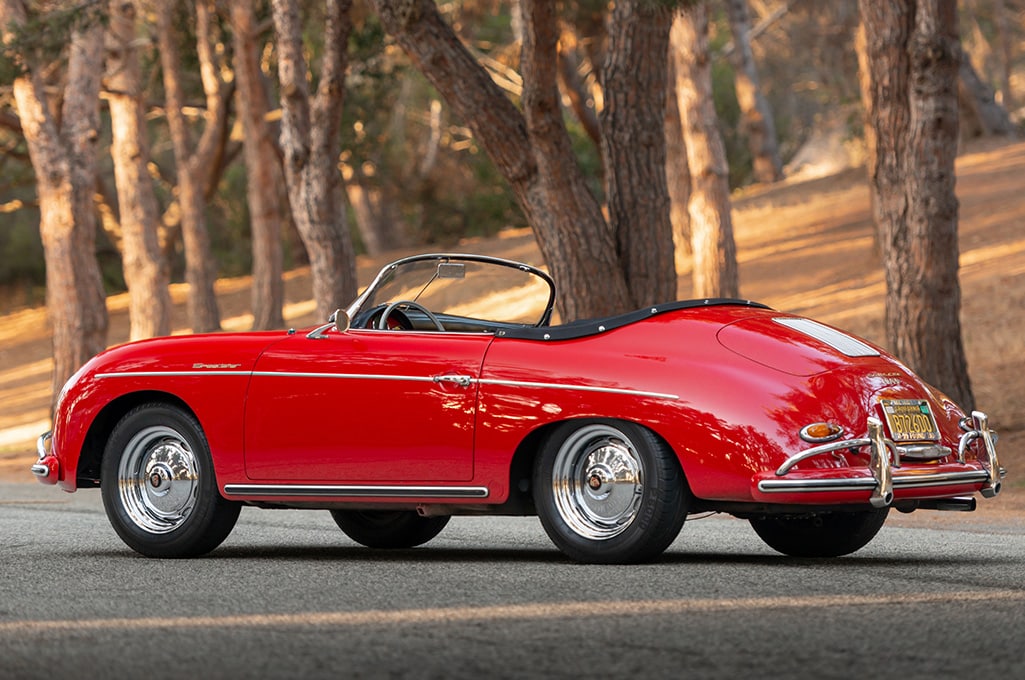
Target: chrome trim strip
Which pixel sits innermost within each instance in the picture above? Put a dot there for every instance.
(378, 376)
(917, 481)
(819, 450)
(939, 479)
(362, 491)
(846, 484)
(173, 374)
(349, 376)
(579, 388)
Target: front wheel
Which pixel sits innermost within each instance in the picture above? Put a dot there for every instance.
(609, 492)
(820, 535)
(388, 529)
(158, 485)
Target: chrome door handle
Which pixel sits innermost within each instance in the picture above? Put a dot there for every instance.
(461, 380)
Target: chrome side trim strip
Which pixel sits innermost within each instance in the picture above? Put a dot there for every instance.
(899, 481)
(579, 388)
(409, 378)
(362, 491)
(344, 376)
(174, 374)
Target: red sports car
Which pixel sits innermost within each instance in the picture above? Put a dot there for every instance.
(445, 389)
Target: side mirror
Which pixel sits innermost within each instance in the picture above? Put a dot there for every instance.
(340, 319)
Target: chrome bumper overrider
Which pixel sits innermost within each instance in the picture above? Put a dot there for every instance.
(41, 469)
(884, 459)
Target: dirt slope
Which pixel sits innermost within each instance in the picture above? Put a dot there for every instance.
(804, 247)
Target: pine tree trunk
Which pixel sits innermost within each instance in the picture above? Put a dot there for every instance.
(982, 116)
(914, 55)
(200, 270)
(574, 239)
(677, 173)
(64, 160)
(145, 270)
(268, 291)
(714, 250)
(310, 143)
(634, 148)
(756, 116)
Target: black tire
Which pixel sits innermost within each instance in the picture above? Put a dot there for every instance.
(609, 492)
(158, 485)
(388, 529)
(820, 535)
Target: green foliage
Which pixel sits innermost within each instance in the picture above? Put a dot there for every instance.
(21, 250)
(46, 32)
(228, 221)
(387, 131)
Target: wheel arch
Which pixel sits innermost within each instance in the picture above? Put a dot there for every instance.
(91, 457)
(521, 467)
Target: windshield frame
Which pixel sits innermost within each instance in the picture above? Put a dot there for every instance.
(384, 276)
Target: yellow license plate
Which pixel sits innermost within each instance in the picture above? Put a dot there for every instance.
(910, 420)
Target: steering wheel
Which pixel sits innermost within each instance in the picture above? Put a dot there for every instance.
(382, 322)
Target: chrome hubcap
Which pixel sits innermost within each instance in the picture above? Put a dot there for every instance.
(597, 481)
(158, 479)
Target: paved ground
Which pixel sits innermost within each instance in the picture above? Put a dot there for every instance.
(287, 596)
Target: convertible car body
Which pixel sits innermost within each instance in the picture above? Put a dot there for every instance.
(445, 389)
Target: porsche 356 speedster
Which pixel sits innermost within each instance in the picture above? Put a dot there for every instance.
(446, 389)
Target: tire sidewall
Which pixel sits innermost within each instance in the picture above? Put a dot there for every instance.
(388, 529)
(658, 519)
(210, 519)
(836, 535)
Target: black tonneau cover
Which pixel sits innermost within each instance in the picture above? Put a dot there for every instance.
(586, 327)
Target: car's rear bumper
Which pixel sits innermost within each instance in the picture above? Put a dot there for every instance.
(885, 479)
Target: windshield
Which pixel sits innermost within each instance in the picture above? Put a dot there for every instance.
(469, 287)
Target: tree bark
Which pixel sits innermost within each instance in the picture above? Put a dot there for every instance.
(634, 148)
(714, 250)
(310, 142)
(574, 239)
(677, 172)
(64, 159)
(268, 291)
(914, 51)
(755, 115)
(192, 164)
(146, 272)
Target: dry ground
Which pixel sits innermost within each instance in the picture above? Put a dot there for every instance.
(804, 246)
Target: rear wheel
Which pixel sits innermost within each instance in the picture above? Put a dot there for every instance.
(820, 535)
(158, 485)
(388, 529)
(609, 492)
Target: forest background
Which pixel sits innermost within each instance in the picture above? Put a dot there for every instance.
(227, 99)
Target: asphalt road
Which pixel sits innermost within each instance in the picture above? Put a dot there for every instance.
(288, 596)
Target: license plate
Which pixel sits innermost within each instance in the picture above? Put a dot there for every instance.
(910, 420)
